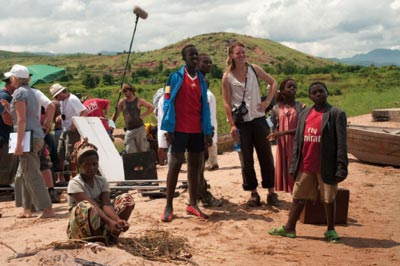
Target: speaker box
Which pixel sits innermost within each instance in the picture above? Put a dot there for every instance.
(140, 166)
(314, 211)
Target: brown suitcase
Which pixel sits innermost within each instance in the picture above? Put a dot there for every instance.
(314, 212)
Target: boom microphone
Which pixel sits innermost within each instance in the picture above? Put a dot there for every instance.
(140, 12)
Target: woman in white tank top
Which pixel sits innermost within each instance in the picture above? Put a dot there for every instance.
(241, 94)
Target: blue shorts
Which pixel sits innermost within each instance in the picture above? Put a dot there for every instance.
(191, 142)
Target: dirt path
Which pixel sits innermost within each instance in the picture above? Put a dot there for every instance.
(236, 234)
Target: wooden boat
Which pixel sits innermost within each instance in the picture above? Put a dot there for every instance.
(225, 142)
(390, 114)
(379, 145)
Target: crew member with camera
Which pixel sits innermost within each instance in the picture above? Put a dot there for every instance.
(246, 115)
(70, 106)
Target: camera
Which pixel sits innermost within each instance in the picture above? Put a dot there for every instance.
(63, 116)
(239, 112)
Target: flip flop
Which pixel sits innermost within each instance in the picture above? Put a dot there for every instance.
(281, 231)
(332, 237)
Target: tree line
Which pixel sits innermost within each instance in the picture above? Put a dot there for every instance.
(91, 78)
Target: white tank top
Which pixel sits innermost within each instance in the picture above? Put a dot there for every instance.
(252, 94)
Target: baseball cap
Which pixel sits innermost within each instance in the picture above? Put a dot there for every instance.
(18, 71)
(6, 76)
(56, 89)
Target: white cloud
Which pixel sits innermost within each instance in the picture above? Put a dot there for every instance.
(335, 28)
(72, 6)
(395, 4)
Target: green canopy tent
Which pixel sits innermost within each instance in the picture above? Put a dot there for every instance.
(43, 74)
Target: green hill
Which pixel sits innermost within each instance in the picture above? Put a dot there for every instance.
(259, 51)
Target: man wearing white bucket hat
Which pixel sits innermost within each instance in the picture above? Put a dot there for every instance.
(70, 106)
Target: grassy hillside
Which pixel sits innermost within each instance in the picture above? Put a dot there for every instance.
(357, 90)
(259, 51)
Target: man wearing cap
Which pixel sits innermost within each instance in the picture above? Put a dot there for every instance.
(24, 110)
(70, 106)
(8, 162)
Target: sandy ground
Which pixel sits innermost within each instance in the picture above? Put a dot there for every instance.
(235, 234)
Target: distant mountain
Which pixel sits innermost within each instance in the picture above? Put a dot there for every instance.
(377, 57)
(44, 53)
(108, 53)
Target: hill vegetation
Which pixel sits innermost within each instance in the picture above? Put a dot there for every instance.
(355, 89)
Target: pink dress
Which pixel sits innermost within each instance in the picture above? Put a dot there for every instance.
(287, 120)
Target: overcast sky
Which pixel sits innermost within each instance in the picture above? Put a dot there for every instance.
(326, 28)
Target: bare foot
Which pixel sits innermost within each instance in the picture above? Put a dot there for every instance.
(47, 213)
(26, 213)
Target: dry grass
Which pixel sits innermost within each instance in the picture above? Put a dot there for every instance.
(158, 245)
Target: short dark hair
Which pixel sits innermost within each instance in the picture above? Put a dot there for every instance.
(318, 83)
(279, 95)
(185, 48)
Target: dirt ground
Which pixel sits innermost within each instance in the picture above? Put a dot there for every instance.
(234, 234)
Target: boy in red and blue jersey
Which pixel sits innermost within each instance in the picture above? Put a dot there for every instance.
(188, 125)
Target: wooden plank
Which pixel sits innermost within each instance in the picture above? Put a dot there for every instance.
(110, 161)
(142, 181)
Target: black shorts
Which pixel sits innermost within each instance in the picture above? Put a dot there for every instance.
(191, 142)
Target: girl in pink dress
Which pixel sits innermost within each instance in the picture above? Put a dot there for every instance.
(284, 118)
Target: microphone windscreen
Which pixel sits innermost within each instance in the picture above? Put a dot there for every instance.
(140, 12)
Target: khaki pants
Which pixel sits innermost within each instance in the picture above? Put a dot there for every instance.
(29, 185)
(306, 187)
(136, 141)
